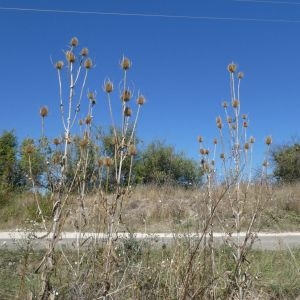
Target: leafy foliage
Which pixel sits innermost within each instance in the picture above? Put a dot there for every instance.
(287, 163)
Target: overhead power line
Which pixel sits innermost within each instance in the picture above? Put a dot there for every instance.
(213, 18)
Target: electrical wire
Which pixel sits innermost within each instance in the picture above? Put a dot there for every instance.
(188, 17)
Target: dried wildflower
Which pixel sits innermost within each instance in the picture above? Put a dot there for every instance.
(125, 63)
(80, 122)
(91, 95)
(251, 140)
(108, 86)
(202, 151)
(268, 140)
(74, 42)
(56, 141)
(229, 120)
(244, 116)
(29, 149)
(132, 150)
(245, 124)
(70, 56)
(44, 111)
(200, 139)
(88, 119)
(219, 125)
(240, 75)
(140, 100)
(127, 112)
(56, 157)
(246, 146)
(231, 68)
(83, 143)
(222, 156)
(59, 65)
(218, 119)
(84, 52)
(107, 161)
(126, 95)
(224, 104)
(235, 103)
(206, 151)
(88, 64)
(215, 141)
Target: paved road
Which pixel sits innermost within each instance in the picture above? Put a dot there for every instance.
(266, 241)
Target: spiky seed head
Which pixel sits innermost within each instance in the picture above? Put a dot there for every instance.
(200, 139)
(218, 119)
(88, 119)
(107, 161)
(244, 116)
(222, 156)
(56, 141)
(70, 56)
(251, 140)
(56, 157)
(91, 95)
(202, 151)
(29, 149)
(84, 52)
(268, 140)
(229, 120)
(127, 112)
(44, 111)
(126, 95)
(215, 141)
(59, 65)
(245, 124)
(235, 103)
(88, 63)
(141, 100)
(132, 150)
(125, 63)
(247, 146)
(83, 143)
(225, 104)
(74, 42)
(240, 75)
(108, 86)
(206, 151)
(231, 68)
(219, 125)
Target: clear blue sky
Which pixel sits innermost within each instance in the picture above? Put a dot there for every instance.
(179, 64)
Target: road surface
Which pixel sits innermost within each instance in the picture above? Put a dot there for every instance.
(265, 241)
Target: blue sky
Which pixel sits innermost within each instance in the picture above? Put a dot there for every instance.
(179, 64)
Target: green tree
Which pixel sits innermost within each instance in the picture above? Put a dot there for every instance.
(161, 164)
(8, 164)
(287, 163)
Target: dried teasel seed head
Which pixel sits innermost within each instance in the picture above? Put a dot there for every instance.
(200, 139)
(215, 141)
(251, 140)
(202, 151)
(44, 111)
(222, 156)
(240, 75)
(229, 120)
(141, 100)
(88, 119)
(206, 151)
(74, 41)
(59, 65)
(244, 116)
(246, 146)
(219, 125)
(218, 119)
(132, 150)
(83, 143)
(91, 95)
(56, 141)
(70, 56)
(84, 52)
(126, 95)
(56, 157)
(88, 63)
(108, 86)
(29, 149)
(224, 104)
(127, 112)
(125, 63)
(268, 140)
(235, 103)
(231, 68)
(245, 124)
(107, 161)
